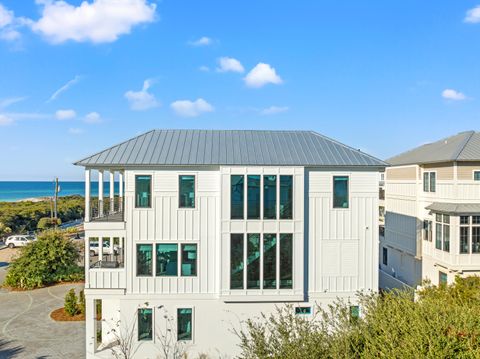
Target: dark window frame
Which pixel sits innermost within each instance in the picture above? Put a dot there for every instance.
(139, 313)
(196, 259)
(242, 214)
(149, 192)
(157, 245)
(152, 260)
(348, 192)
(192, 324)
(194, 191)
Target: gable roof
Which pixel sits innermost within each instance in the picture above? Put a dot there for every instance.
(230, 147)
(464, 146)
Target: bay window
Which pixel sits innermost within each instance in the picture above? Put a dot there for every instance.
(469, 234)
(442, 235)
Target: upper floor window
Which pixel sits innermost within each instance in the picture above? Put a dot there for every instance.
(253, 195)
(476, 175)
(237, 189)
(270, 251)
(442, 235)
(469, 234)
(144, 260)
(189, 260)
(340, 192)
(186, 191)
(270, 197)
(145, 324)
(427, 230)
(143, 191)
(429, 181)
(286, 197)
(167, 259)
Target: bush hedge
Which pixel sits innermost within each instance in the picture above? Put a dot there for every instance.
(50, 259)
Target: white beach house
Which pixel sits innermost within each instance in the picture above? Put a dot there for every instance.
(213, 227)
(432, 223)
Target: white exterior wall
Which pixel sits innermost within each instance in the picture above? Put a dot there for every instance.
(411, 258)
(334, 254)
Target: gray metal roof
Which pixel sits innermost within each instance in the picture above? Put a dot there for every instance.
(223, 147)
(464, 146)
(455, 208)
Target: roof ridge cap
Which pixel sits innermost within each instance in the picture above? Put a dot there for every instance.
(463, 145)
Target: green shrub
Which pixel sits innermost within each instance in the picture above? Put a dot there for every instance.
(51, 259)
(81, 302)
(443, 322)
(71, 306)
(47, 223)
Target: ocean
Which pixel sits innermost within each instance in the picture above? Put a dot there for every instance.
(16, 190)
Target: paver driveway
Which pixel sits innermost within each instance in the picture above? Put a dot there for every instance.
(26, 330)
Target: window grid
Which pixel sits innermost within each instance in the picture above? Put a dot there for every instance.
(469, 234)
(429, 181)
(442, 232)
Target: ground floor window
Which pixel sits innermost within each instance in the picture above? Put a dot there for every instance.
(385, 256)
(184, 324)
(354, 312)
(303, 310)
(442, 278)
(145, 324)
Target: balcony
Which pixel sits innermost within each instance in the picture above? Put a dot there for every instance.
(107, 210)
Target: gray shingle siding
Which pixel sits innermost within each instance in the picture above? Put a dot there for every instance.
(234, 147)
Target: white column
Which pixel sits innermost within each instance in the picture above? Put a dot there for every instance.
(112, 191)
(120, 191)
(87, 195)
(90, 324)
(100, 193)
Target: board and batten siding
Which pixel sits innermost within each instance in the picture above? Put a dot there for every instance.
(165, 222)
(342, 242)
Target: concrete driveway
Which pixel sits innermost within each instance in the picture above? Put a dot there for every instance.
(26, 330)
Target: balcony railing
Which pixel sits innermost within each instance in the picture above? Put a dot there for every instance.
(106, 210)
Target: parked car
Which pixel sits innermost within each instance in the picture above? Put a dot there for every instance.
(107, 249)
(19, 240)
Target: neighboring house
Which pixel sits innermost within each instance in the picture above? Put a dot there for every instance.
(214, 227)
(432, 224)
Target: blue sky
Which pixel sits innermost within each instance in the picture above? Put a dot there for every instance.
(382, 76)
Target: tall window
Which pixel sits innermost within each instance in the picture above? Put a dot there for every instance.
(286, 197)
(427, 230)
(184, 324)
(429, 181)
(442, 235)
(269, 197)
(269, 261)
(236, 196)
(286, 261)
(187, 191)
(475, 234)
(143, 191)
(385, 256)
(476, 175)
(253, 261)
(189, 260)
(253, 208)
(145, 324)
(144, 260)
(167, 259)
(340, 192)
(236, 261)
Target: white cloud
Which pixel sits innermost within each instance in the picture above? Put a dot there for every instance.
(10, 101)
(187, 108)
(204, 68)
(98, 21)
(93, 117)
(6, 16)
(142, 100)
(5, 120)
(203, 41)
(64, 88)
(65, 114)
(8, 24)
(450, 94)
(473, 15)
(273, 110)
(75, 131)
(261, 75)
(227, 64)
